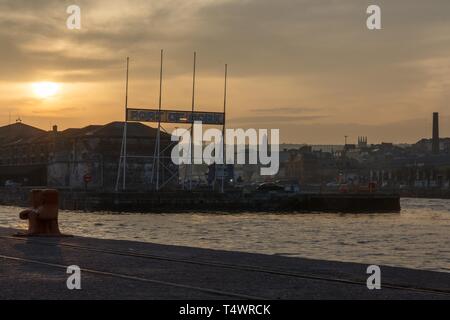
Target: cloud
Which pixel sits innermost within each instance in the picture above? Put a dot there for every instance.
(285, 52)
(277, 120)
(283, 110)
(257, 37)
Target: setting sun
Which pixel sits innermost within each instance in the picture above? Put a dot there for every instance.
(45, 89)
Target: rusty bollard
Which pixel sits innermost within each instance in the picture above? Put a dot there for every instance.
(43, 216)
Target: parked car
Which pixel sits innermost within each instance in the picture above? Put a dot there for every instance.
(11, 184)
(269, 186)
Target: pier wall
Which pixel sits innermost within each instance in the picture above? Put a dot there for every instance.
(184, 201)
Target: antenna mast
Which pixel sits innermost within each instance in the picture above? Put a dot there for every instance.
(223, 128)
(192, 127)
(159, 122)
(123, 148)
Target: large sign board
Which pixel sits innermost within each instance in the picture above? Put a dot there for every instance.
(172, 116)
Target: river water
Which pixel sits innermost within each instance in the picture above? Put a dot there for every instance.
(418, 237)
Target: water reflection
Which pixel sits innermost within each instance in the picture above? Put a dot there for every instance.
(418, 237)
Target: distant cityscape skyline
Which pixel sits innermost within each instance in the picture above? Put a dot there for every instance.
(427, 133)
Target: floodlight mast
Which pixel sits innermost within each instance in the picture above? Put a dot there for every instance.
(158, 138)
(168, 116)
(125, 130)
(123, 148)
(192, 120)
(223, 129)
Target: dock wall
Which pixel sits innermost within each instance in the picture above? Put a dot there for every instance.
(184, 201)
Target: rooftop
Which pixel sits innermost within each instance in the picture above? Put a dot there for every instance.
(19, 133)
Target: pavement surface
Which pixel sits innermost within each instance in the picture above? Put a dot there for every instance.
(35, 268)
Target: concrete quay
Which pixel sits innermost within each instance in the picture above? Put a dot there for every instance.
(35, 268)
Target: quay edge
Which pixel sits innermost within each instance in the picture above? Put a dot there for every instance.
(184, 201)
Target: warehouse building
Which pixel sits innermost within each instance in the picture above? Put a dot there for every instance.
(33, 157)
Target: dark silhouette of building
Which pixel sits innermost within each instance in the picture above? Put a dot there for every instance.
(23, 156)
(33, 157)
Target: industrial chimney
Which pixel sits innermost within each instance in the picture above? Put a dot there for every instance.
(435, 141)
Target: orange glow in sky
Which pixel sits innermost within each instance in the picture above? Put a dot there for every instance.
(45, 89)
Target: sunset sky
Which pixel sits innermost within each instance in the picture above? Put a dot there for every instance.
(308, 67)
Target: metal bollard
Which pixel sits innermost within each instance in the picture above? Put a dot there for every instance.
(43, 216)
